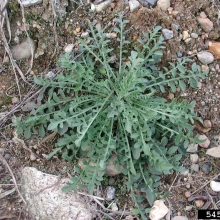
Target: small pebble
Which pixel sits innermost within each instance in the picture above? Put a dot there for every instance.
(192, 148)
(185, 35)
(206, 169)
(111, 35)
(189, 208)
(68, 48)
(187, 194)
(114, 207)
(14, 100)
(32, 157)
(168, 34)
(7, 156)
(188, 40)
(205, 57)
(171, 96)
(85, 34)
(215, 186)
(199, 203)
(194, 158)
(194, 35)
(188, 186)
(133, 5)
(206, 143)
(110, 193)
(175, 26)
(78, 29)
(204, 68)
(101, 6)
(195, 167)
(179, 54)
(207, 124)
(111, 181)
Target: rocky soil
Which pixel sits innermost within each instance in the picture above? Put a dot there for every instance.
(191, 29)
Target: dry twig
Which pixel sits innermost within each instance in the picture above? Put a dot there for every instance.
(13, 177)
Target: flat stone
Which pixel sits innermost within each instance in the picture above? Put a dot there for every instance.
(163, 4)
(45, 199)
(23, 50)
(192, 148)
(205, 57)
(134, 5)
(149, 3)
(194, 35)
(195, 167)
(168, 34)
(28, 3)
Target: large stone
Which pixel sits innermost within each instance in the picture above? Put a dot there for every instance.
(46, 201)
(23, 50)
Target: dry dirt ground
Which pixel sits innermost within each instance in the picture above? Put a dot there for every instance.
(40, 22)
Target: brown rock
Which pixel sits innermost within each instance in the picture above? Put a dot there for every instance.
(199, 203)
(214, 47)
(206, 23)
(203, 128)
(171, 96)
(206, 143)
(187, 194)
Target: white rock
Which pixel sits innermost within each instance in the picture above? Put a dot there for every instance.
(158, 211)
(215, 186)
(114, 207)
(23, 50)
(111, 35)
(194, 158)
(28, 3)
(134, 5)
(163, 4)
(101, 6)
(45, 199)
(205, 57)
(85, 34)
(68, 48)
(194, 35)
(192, 148)
(180, 218)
